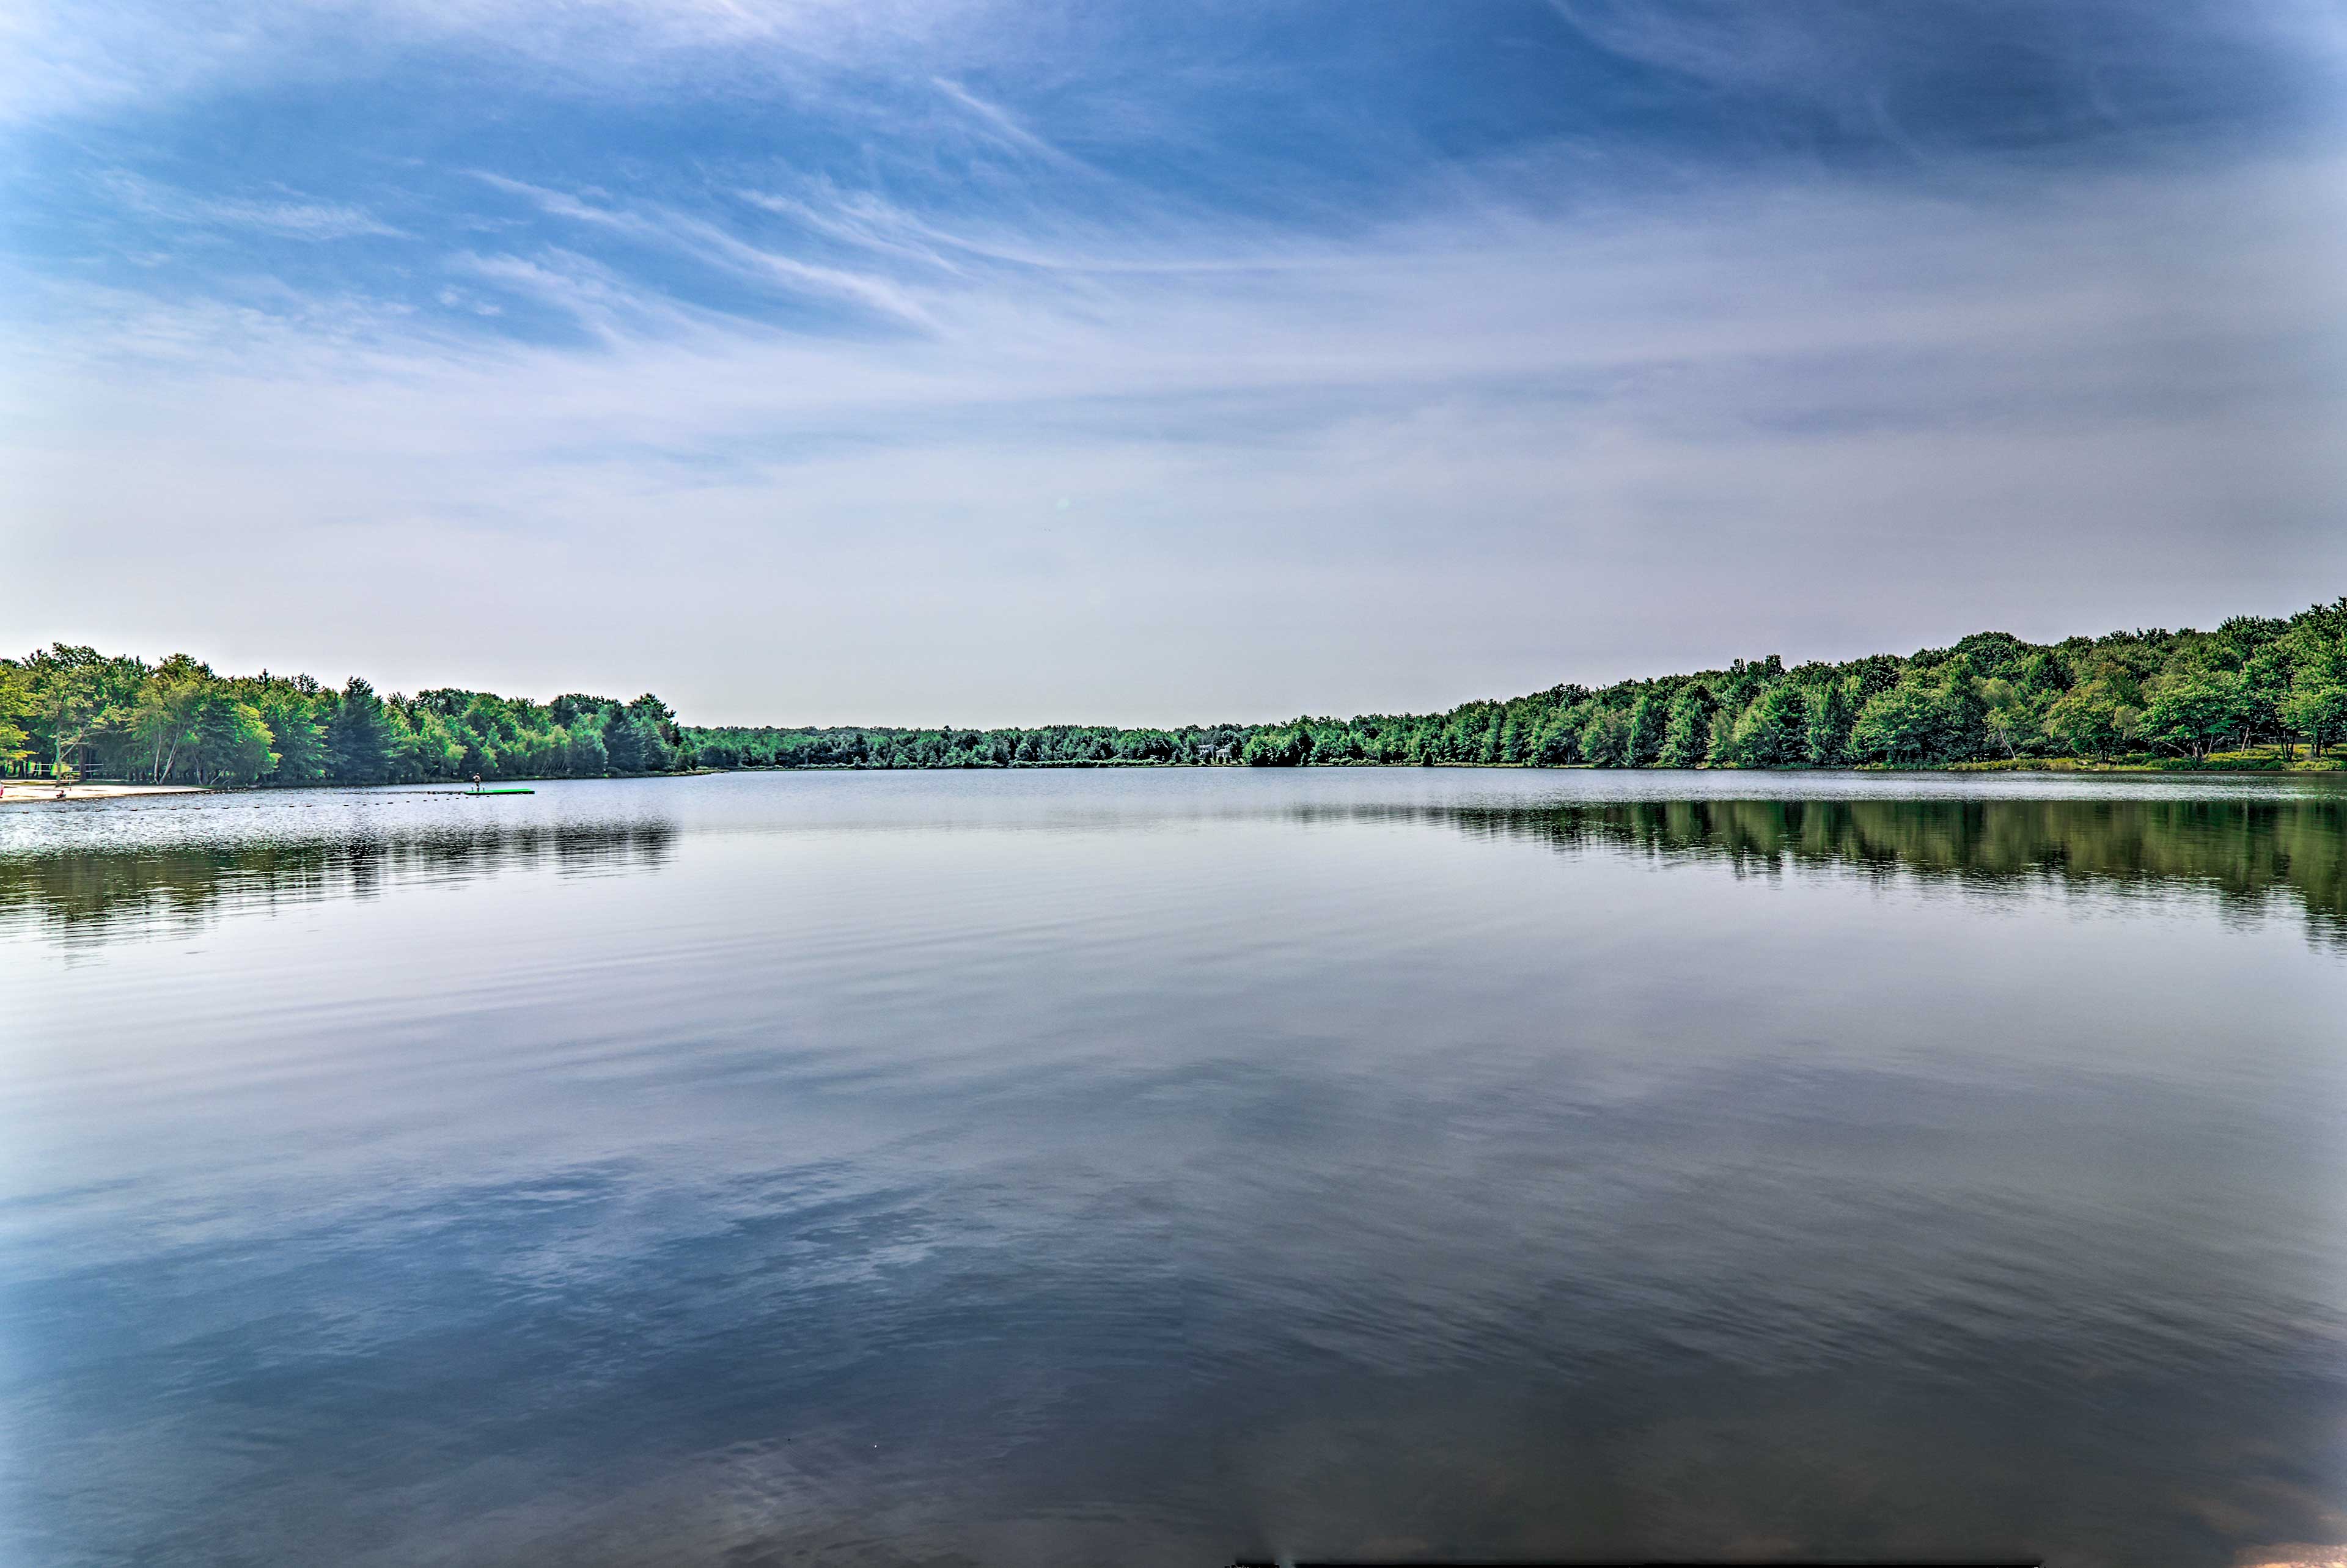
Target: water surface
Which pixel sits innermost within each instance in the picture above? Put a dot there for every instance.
(1154, 1167)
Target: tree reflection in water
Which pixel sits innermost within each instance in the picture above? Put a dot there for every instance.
(92, 894)
(2247, 853)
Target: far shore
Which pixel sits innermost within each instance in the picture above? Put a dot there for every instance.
(36, 792)
(33, 791)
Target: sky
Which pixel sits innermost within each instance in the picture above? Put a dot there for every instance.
(810, 362)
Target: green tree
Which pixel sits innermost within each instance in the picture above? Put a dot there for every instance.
(299, 739)
(1605, 738)
(1900, 725)
(437, 746)
(1650, 719)
(1687, 736)
(652, 746)
(69, 695)
(1993, 654)
(1510, 747)
(623, 743)
(1557, 743)
(2195, 713)
(583, 755)
(163, 720)
(2314, 651)
(1774, 731)
(15, 701)
(2093, 719)
(1288, 747)
(2263, 683)
(402, 751)
(2011, 723)
(1832, 717)
(231, 741)
(1719, 749)
(2042, 675)
(359, 737)
(2316, 708)
(660, 719)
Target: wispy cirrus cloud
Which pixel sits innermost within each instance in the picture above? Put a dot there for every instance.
(1006, 128)
(2020, 71)
(708, 242)
(285, 213)
(865, 221)
(598, 298)
(1074, 360)
(58, 60)
(1395, 447)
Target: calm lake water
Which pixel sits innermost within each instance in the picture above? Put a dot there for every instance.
(1048, 1168)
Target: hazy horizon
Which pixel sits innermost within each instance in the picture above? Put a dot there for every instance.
(809, 362)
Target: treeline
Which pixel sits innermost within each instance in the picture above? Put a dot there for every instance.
(2152, 697)
(118, 717)
(2147, 696)
(1081, 745)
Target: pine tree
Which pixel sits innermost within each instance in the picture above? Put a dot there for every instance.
(358, 737)
(301, 744)
(232, 742)
(1774, 728)
(623, 741)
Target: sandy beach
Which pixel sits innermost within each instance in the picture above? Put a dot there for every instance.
(26, 791)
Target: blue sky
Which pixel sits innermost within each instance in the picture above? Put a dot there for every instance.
(1011, 363)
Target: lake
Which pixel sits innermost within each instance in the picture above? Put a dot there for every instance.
(1155, 1167)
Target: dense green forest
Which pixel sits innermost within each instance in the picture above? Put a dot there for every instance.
(2257, 691)
(79, 711)
(2152, 698)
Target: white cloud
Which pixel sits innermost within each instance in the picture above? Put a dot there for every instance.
(1473, 453)
(1006, 128)
(58, 58)
(705, 242)
(285, 213)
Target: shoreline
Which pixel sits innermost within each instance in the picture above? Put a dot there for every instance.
(2328, 767)
(37, 791)
(33, 791)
